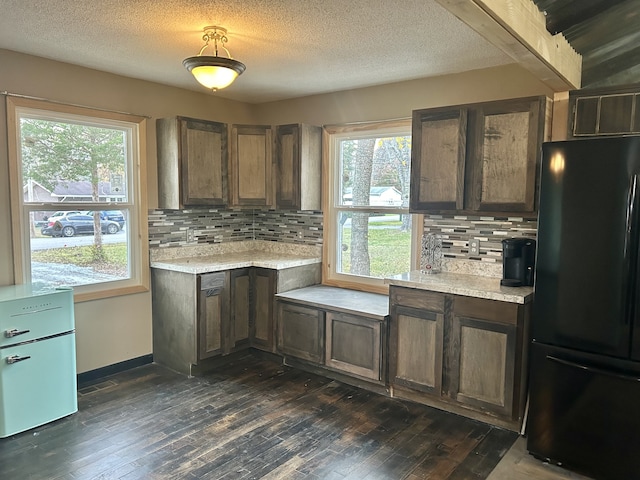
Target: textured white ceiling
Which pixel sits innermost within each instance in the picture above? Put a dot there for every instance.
(291, 48)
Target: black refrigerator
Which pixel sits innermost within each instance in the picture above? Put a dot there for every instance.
(584, 403)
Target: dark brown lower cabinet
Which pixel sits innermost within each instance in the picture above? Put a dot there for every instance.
(461, 352)
(417, 360)
(262, 329)
(354, 345)
(240, 307)
(483, 339)
(212, 307)
(301, 332)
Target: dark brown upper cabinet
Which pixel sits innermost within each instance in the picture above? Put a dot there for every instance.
(481, 157)
(298, 158)
(251, 165)
(438, 156)
(192, 163)
(604, 111)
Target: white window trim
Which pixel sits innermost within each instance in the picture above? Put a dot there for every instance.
(330, 150)
(137, 203)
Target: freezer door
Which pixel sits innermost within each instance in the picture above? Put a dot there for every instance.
(583, 413)
(587, 244)
(37, 383)
(26, 318)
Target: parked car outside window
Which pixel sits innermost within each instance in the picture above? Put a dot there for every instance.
(113, 215)
(70, 225)
(61, 213)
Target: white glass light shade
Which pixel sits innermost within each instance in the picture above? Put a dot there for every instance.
(214, 72)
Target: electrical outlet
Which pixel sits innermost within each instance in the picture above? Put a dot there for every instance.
(300, 234)
(190, 236)
(474, 246)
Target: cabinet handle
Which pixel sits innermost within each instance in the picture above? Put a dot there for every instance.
(14, 332)
(17, 358)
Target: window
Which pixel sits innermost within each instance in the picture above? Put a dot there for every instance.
(78, 204)
(369, 232)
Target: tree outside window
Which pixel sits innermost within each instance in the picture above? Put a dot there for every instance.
(372, 236)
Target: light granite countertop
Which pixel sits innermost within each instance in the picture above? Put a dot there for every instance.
(227, 256)
(462, 284)
(372, 305)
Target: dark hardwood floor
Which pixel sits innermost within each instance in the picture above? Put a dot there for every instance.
(252, 419)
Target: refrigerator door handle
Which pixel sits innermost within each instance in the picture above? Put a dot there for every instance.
(596, 370)
(629, 252)
(14, 332)
(17, 358)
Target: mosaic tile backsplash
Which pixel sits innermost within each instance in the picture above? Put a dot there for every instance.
(456, 231)
(175, 228)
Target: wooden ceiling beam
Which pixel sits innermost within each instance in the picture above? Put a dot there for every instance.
(518, 28)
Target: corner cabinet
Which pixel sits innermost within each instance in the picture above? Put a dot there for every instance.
(197, 317)
(262, 326)
(298, 158)
(192, 163)
(481, 157)
(463, 354)
(251, 169)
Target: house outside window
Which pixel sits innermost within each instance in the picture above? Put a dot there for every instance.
(79, 206)
(369, 232)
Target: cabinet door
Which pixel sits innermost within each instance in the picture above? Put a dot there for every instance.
(298, 151)
(438, 152)
(354, 345)
(240, 307)
(288, 163)
(251, 148)
(505, 155)
(204, 162)
(301, 332)
(192, 162)
(262, 326)
(416, 349)
(482, 351)
(212, 311)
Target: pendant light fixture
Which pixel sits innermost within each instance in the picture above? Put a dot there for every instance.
(214, 72)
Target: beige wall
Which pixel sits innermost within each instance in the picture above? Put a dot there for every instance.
(399, 99)
(114, 330)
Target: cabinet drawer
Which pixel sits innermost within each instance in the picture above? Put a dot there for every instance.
(491, 310)
(26, 319)
(412, 297)
(210, 281)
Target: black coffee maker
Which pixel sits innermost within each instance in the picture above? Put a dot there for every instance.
(518, 261)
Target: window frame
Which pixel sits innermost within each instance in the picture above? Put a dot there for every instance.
(136, 204)
(332, 135)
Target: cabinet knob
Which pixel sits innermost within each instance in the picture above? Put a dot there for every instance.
(14, 332)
